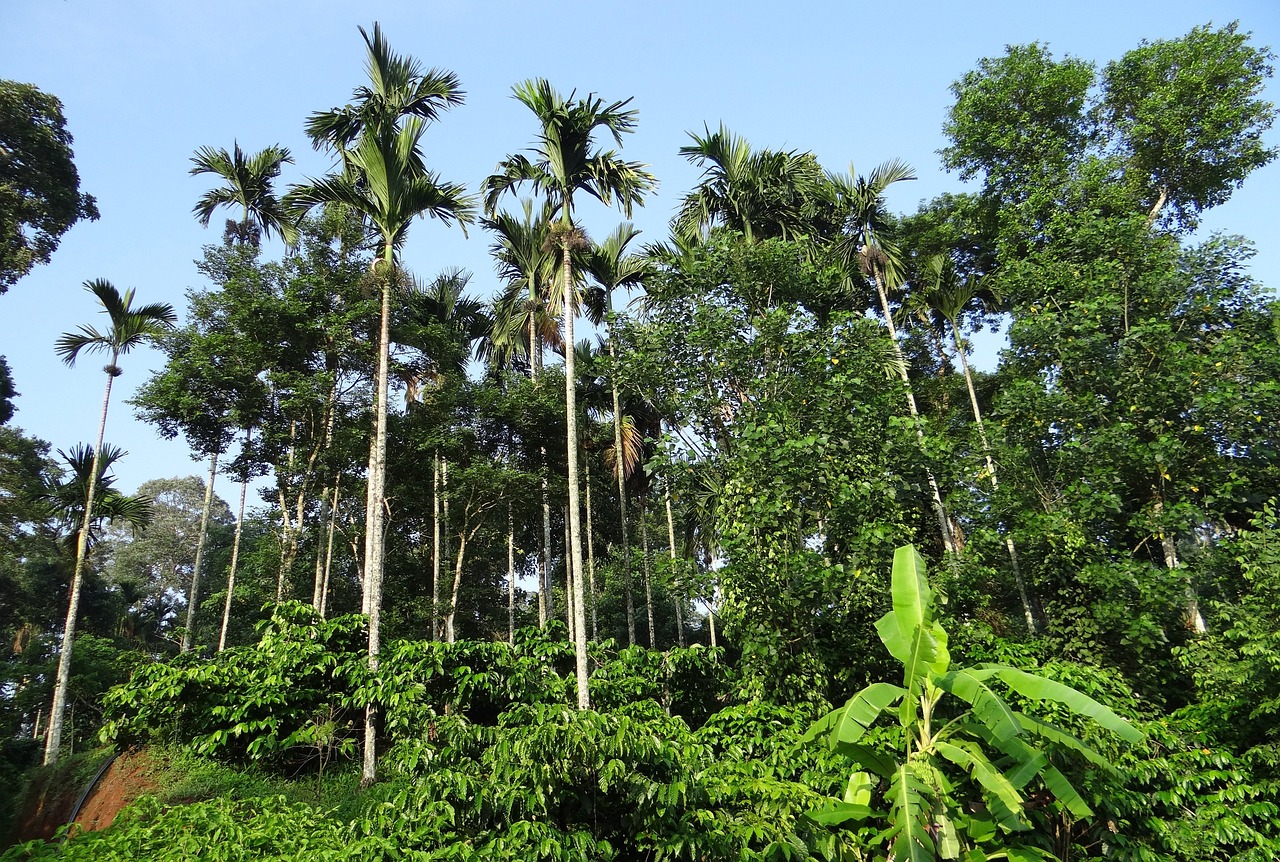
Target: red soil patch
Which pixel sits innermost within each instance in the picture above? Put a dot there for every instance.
(125, 781)
(49, 805)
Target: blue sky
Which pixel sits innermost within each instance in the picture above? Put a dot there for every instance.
(144, 83)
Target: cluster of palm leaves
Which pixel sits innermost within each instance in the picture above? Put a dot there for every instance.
(543, 255)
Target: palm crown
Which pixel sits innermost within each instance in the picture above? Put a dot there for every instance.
(766, 193)
(129, 328)
(248, 186)
(565, 160)
(65, 496)
(389, 185)
(398, 87)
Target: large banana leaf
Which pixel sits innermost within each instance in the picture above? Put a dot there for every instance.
(1065, 793)
(869, 758)
(911, 839)
(988, 706)
(909, 631)
(1031, 762)
(1038, 688)
(969, 757)
(858, 789)
(838, 813)
(849, 722)
(1053, 733)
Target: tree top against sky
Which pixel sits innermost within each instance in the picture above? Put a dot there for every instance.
(850, 84)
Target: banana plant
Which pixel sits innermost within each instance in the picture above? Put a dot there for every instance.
(959, 787)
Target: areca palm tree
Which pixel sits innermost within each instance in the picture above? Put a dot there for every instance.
(386, 182)
(248, 185)
(398, 87)
(525, 321)
(865, 249)
(611, 267)
(130, 327)
(948, 295)
(565, 162)
(66, 496)
(762, 194)
(248, 180)
(445, 325)
(525, 313)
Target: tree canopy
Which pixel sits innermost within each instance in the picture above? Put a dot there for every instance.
(40, 197)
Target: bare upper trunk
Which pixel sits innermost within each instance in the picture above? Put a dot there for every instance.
(676, 593)
(571, 434)
(373, 539)
(53, 742)
(944, 523)
(193, 597)
(1012, 550)
(235, 557)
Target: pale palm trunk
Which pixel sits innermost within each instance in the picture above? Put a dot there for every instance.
(546, 608)
(437, 624)
(373, 540)
(193, 597)
(53, 742)
(328, 546)
(511, 577)
(711, 616)
(944, 525)
(571, 435)
(369, 495)
(535, 369)
(622, 499)
(569, 574)
(435, 542)
(648, 578)
(591, 555)
(1023, 596)
(676, 597)
(235, 557)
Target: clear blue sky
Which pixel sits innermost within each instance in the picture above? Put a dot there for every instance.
(144, 83)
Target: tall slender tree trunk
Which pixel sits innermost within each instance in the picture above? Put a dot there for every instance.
(435, 542)
(370, 493)
(546, 608)
(444, 539)
(591, 554)
(235, 555)
(544, 566)
(373, 540)
(317, 589)
(620, 471)
(193, 597)
(450, 634)
(53, 742)
(328, 546)
(944, 524)
(677, 595)
(571, 435)
(569, 575)
(648, 575)
(1012, 550)
(511, 577)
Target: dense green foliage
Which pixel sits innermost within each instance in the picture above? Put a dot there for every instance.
(597, 610)
(40, 197)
